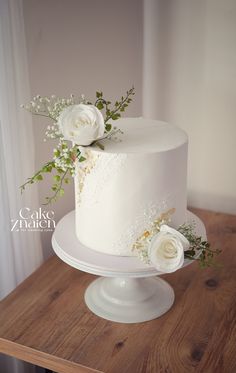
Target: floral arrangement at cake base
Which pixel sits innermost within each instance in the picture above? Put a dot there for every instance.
(165, 248)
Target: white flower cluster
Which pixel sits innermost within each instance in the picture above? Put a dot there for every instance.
(52, 132)
(62, 156)
(49, 106)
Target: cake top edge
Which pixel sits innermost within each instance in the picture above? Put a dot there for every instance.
(142, 135)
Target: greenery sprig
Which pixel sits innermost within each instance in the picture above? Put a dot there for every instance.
(199, 249)
(66, 154)
(115, 112)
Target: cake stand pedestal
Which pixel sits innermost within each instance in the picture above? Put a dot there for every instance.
(128, 291)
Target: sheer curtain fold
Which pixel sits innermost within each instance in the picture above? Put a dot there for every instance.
(20, 252)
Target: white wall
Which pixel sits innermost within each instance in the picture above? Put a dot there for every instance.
(77, 46)
(190, 81)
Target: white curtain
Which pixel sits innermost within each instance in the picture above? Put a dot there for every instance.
(20, 252)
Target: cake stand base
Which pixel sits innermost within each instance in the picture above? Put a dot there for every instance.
(128, 291)
(129, 300)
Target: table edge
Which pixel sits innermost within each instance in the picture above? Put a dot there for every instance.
(42, 359)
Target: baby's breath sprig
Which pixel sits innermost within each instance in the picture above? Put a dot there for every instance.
(199, 249)
(49, 107)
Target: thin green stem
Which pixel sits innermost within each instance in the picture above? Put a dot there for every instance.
(33, 178)
(117, 109)
(44, 115)
(53, 198)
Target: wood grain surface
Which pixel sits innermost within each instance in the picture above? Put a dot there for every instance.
(45, 320)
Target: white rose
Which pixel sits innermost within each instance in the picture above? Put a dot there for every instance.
(82, 124)
(166, 251)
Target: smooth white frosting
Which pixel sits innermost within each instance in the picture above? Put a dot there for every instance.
(130, 184)
(145, 136)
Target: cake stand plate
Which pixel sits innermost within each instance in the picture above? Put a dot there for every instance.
(127, 292)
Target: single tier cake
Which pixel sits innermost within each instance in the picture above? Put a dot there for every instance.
(120, 190)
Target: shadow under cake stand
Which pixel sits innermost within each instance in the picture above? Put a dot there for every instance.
(128, 291)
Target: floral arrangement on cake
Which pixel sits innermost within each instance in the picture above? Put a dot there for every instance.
(166, 248)
(76, 125)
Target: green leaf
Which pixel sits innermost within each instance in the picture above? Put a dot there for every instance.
(39, 177)
(47, 168)
(82, 159)
(61, 192)
(100, 105)
(108, 127)
(66, 180)
(99, 94)
(115, 116)
(57, 177)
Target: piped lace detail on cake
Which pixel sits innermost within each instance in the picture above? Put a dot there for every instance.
(105, 167)
(83, 169)
(143, 220)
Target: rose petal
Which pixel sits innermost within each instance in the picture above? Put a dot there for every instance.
(166, 228)
(81, 124)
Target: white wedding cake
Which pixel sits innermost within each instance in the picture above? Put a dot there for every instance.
(130, 183)
(120, 190)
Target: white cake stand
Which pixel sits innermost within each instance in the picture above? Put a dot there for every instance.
(129, 291)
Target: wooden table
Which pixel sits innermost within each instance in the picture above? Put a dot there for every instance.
(45, 321)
